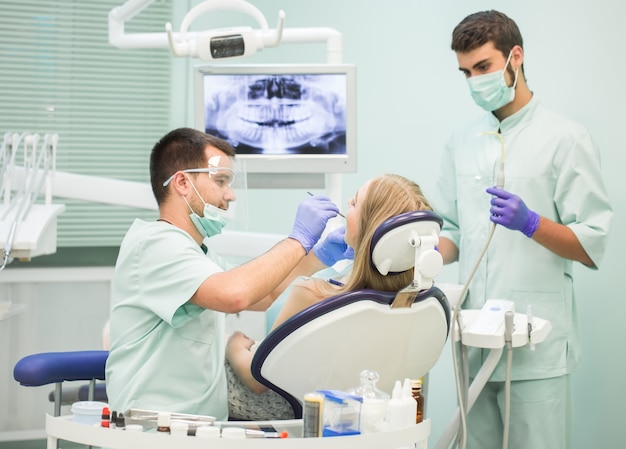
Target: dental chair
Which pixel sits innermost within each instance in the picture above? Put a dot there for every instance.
(400, 335)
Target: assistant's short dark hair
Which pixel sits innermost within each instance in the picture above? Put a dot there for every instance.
(479, 28)
(181, 149)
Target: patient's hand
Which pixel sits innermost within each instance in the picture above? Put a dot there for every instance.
(239, 356)
(238, 341)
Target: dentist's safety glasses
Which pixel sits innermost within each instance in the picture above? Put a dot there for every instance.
(223, 176)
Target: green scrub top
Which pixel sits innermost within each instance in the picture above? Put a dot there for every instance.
(553, 165)
(166, 354)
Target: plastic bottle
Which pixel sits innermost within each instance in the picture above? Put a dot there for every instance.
(179, 429)
(106, 417)
(163, 423)
(396, 409)
(120, 422)
(375, 402)
(409, 402)
(416, 390)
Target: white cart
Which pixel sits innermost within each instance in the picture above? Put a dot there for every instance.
(64, 428)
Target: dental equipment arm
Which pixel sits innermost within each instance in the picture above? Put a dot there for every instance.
(508, 339)
(28, 229)
(477, 386)
(222, 43)
(206, 45)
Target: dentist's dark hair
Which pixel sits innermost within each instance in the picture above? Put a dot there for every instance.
(479, 28)
(181, 149)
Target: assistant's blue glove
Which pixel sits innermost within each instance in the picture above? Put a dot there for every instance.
(510, 211)
(333, 248)
(311, 218)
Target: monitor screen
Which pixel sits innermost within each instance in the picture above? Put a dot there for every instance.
(281, 118)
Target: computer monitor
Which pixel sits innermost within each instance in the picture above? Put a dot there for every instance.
(281, 118)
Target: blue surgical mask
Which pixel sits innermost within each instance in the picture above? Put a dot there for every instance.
(490, 91)
(213, 220)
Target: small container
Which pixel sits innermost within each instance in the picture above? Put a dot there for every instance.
(342, 413)
(312, 415)
(120, 422)
(375, 402)
(106, 417)
(416, 390)
(164, 421)
(134, 428)
(234, 433)
(88, 412)
(396, 411)
(410, 403)
(208, 432)
(179, 429)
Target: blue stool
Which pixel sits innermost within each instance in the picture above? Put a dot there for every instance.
(57, 367)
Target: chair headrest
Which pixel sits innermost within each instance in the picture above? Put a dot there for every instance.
(408, 240)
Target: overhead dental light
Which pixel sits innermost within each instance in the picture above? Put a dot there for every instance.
(226, 42)
(223, 43)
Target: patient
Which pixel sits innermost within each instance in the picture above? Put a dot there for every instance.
(380, 198)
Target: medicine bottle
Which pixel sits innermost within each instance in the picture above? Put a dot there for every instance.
(416, 390)
(179, 429)
(395, 409)
(409, 402)
(163, 423)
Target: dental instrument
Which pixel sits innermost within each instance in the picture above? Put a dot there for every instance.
(338, 213)
(462, 386)
(28, 229)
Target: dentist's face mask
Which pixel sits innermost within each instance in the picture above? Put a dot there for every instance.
(490, 91)
(213, 220)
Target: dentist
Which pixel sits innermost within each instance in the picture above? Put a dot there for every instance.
(552, 210)
(171, 293)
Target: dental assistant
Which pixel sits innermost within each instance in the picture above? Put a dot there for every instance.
(552, 210)
(170, 292)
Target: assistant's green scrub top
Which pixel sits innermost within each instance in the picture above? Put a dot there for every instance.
(553, 165)
(166, 354)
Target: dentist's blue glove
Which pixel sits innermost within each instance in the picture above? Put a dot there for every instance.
(510, 211)
(311, 218)
(333, 248)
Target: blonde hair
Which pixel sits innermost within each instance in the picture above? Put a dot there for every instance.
(387, 196)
